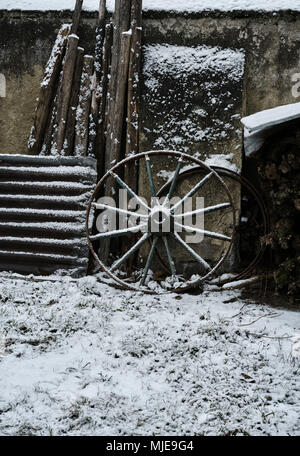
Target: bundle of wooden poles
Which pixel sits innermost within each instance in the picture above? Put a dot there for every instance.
(87, 104)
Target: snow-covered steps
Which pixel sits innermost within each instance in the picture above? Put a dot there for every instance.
(42, 213)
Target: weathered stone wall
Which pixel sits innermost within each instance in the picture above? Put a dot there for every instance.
(271, 43)
(192, 101)
(270, 40)
(26, 40)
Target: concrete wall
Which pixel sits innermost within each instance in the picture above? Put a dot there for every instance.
(271, 43)
(270, 40)
(192, 101)
(26, 40)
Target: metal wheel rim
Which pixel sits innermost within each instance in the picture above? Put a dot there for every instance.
(265, 215)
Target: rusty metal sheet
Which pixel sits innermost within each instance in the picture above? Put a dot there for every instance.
(43, 202)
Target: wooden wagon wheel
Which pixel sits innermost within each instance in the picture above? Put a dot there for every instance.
(162, 223)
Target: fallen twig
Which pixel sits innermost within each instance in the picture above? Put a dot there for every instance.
(270, 337)
(262, 316)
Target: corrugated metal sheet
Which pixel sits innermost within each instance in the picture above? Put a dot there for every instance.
(43, 202)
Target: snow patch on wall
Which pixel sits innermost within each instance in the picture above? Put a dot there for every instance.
(191, 95)
(180, 60)
(222, 160)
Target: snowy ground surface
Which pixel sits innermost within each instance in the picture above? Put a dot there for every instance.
(167, 5)
(84, 358)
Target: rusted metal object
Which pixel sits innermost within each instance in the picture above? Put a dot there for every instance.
(42, 213)
(154, 215)
(246, 184)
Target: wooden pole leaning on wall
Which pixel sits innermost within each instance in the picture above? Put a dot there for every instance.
(83, 109)
(118, 110)
(116, 99)
(99, 144)
(97, 77)
(47, 91)
(50, 123)
(121, 22)
(74, 100)
(117, 123)
(76, 16)
(100, 35)
(64, 94)
(48, 136)
(132, 133)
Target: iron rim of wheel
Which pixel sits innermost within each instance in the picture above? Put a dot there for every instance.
(260, 203)
(147, 156)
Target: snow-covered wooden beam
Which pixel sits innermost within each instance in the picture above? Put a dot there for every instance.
(261, 125)
(83, 108)
(64, 93)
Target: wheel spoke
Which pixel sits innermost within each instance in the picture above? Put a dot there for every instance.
(193, 190)
(174, 180)
(118, 209)
(149, 259)
(204, 210)
(170, 259)
(130, 252)
(150, 176)
(130, 191)
(192, 252)
(211, 234)
(117, 233)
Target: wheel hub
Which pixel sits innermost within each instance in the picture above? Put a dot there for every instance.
(161, 220)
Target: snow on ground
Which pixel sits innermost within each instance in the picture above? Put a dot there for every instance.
(168, 5)
(83, 358)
